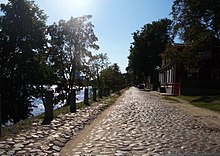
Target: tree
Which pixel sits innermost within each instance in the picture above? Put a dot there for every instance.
(197, 24)
(98, 63)
(134, 66)
(145, 51)
(112, 77)
(22, 39)
(195, 21)
(69, 45)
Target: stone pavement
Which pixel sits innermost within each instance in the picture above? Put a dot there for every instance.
(141, 123)
(49, 139)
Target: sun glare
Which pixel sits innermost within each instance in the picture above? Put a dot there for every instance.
(76, 8)
(82, 4)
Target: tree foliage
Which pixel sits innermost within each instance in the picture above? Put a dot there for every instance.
(145, 51)
(22, 40)
(197, 24)
(69, 45)
(34, 55)
(97, 64)
(112, 77)
(195, 21)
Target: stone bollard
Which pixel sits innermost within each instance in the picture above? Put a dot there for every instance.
(100, 93)
(73, 101)
(108, 91)
(0, 115)
(113, 90)
(94, 94)
(48, 116)
(105, 91)
(86, 96)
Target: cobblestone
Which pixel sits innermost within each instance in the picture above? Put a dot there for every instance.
(49, 139)
(140, 123)
(144, 124)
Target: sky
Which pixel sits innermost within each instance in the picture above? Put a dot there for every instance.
(114, 20)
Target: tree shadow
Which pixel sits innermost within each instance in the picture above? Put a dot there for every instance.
(207, 99)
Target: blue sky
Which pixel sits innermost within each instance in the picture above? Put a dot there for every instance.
(114, 20)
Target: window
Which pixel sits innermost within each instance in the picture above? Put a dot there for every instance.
(208, 53)
(216, 74)
(192, 74)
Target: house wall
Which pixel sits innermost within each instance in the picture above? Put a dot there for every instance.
(211, 63)
(207, 87)
(167, 78)
(204, 80)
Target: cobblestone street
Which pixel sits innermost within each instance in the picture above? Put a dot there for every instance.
(142, 123)
(139, 123)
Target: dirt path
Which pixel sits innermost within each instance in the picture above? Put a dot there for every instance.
(66, 151)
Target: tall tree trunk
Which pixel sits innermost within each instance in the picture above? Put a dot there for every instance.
(14, 111)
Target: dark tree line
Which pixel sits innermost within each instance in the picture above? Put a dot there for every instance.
(149, 43)
(22, 42)
(112, 77)
(195, 23)
(34, 56)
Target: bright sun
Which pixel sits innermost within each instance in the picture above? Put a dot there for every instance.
(83, 4)
(76, 7)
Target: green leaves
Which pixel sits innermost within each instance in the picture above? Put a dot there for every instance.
(22, 29)
(197, 24)
(33, 54)
(97, 63)
(112, 77)
(145, 51)
(68, 51)
(195, 21)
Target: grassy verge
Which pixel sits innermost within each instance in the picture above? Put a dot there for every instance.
(209, 102)
(24, 125)
(12, 130)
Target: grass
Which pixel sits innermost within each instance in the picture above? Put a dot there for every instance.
(208, 102)
(11, 131)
